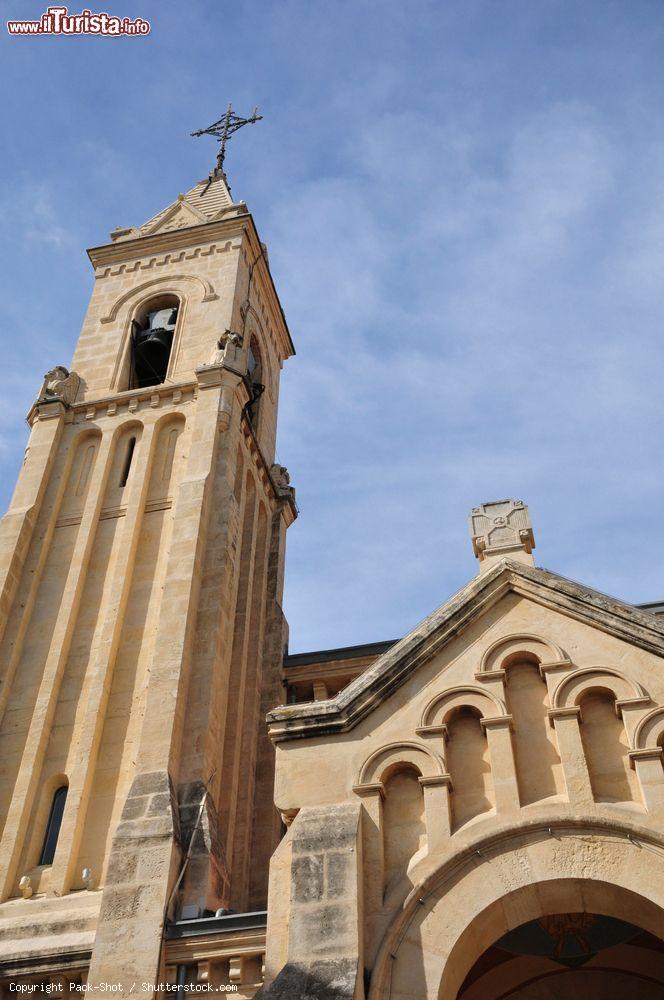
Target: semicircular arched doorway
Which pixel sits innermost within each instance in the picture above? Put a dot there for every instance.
(553, 907)
(565, 956)
(578, 938)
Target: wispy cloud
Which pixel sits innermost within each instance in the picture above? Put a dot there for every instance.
(464, 204)
(484, 350)
(34, 214)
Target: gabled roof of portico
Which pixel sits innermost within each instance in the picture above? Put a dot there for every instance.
(640, 628)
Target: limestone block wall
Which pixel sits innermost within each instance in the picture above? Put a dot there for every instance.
(134, 647)
(78, 638)
(524, 721)
(203, 278)
(235, 673)
(258, 323)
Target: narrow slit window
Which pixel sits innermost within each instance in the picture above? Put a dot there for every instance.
(126, 468)
(53, 825)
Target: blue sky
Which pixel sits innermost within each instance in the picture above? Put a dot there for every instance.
(464, 205)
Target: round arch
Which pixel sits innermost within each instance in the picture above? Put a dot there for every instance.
(172, 283)
(505, 649)
(439, 709)
(650, 730)
(572, 688)
(406, 754)
(495, 884)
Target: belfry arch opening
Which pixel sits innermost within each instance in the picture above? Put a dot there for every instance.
(152, 336)
(255, 383)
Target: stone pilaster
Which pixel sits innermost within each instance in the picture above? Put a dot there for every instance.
(649, 771)
(40, 724)
(503, 770)
(437, 810)
(18, 523)
(325, 955)
(570, 747)
(89, 735)
(145, 854)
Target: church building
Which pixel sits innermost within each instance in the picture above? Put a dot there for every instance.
(472, 812)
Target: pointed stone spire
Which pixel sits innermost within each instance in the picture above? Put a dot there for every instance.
(499, 529)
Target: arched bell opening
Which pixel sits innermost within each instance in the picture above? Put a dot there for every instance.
(152, 334)
(255, 381)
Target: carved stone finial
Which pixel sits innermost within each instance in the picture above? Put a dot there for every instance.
(59, 384)
(501, 528)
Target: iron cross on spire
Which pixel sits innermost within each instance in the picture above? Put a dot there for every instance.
(224, 129)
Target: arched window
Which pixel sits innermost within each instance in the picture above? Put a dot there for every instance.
(254, 380)
(152, 331)
(53, 825)
(126, 465)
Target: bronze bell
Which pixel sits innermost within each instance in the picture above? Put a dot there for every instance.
(152, 346)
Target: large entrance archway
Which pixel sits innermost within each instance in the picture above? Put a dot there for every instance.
(576, 937)
(565, 911)
(565, 956)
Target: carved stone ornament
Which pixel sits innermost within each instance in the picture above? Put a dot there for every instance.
(500, 527)
(59, 384)
(227, 350)
(281, 478)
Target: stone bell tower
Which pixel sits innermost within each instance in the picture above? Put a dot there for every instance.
(141, 631)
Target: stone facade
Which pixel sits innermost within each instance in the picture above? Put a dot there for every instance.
(475, 811)
(506, 762)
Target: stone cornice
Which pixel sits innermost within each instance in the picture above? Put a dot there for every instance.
(174, 394)
(178, 239)
(375, 685)
(118, 400)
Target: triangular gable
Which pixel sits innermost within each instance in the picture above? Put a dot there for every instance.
(393, 668)
(208, 201)
(177, 216)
